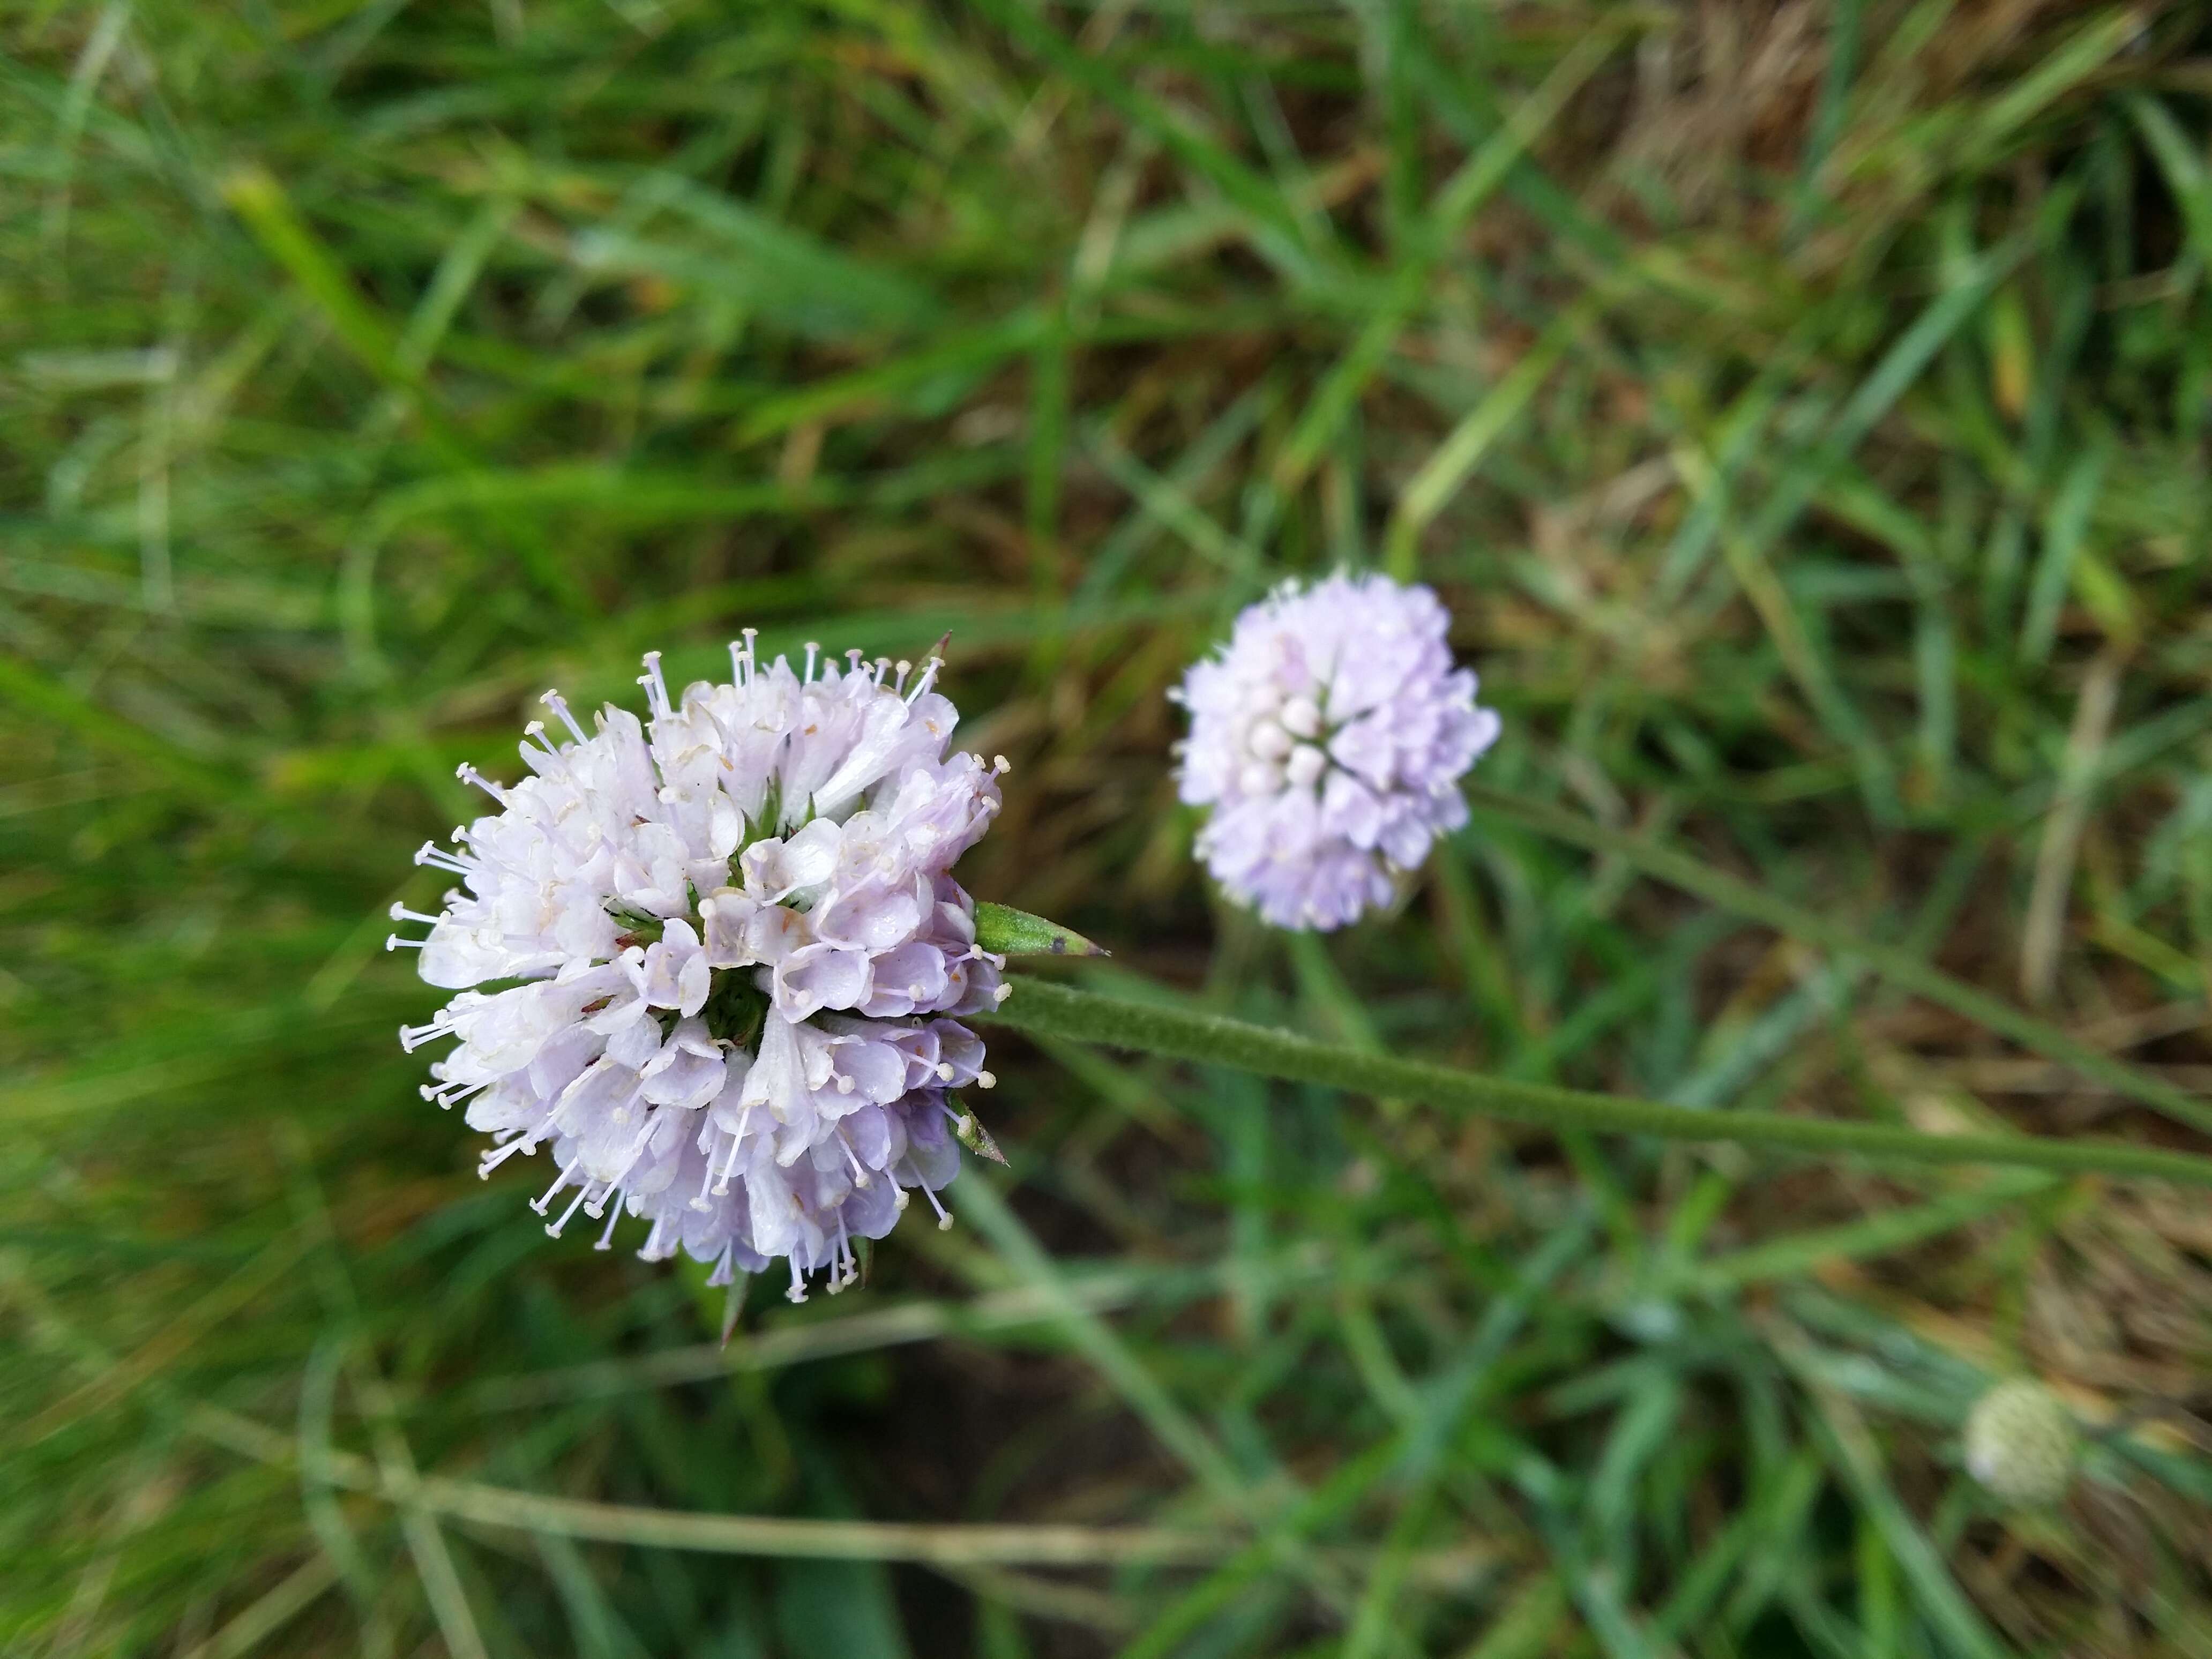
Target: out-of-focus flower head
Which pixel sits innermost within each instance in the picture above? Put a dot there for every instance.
(744, 961)
(1328, 736)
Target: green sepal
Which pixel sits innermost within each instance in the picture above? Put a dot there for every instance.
(969, 1131)
(1007, 932)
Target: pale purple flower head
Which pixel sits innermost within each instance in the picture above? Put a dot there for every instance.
(1329, 736)
(743, 961)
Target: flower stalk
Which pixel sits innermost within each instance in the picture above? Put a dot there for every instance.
(1044, 1009)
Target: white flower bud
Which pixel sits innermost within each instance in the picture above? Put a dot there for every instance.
(1269, 741)
(1301, 718)
(2021, 1443)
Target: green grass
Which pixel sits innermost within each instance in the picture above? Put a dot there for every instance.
(1804, 415)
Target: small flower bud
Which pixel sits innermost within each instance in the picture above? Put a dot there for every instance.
(1269, 741)
(2021, 1443)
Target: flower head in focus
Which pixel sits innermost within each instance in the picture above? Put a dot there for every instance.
(743, 961)
(1329, 737)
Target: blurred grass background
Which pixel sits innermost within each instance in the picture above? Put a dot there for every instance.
(1802, 408)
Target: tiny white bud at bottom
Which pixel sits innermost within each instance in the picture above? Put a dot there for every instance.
(2020, 1444)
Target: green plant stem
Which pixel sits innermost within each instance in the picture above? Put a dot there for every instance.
(1044, 1009)
(1900, 968)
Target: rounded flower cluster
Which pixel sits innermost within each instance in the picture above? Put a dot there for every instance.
(742, 962)
(1329, 736)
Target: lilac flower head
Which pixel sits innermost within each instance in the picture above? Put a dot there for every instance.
(1329, 736)
(743, 961)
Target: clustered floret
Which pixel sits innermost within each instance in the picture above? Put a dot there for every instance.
(743, 961)
(1328, 736)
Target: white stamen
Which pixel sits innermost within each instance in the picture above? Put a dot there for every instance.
(438, 858)
(452, 1093)
(545, 1198)
(944, 1215)
(656, 689)
(468, 774)
(559, 705)
(737, 1139)
(412, 1038)
(607, 1238)
(498, 1156)
(706, 1179)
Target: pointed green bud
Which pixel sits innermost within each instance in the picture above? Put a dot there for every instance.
(969, 1131)
(1007, 932)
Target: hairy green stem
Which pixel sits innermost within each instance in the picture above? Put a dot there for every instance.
(1044, 1009)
